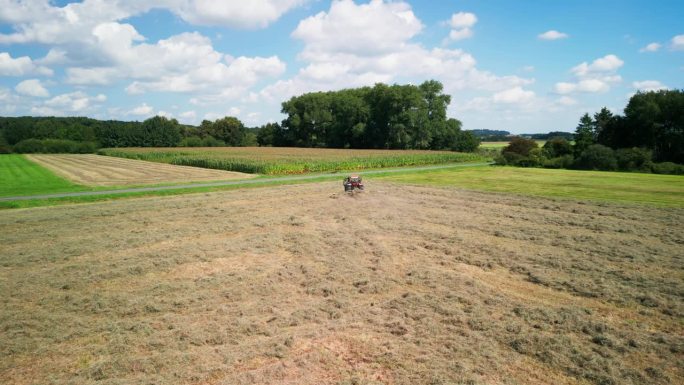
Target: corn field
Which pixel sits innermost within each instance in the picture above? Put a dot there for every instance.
(285, 161)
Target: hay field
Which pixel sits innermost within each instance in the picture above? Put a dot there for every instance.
(304, 285)
(98, 170)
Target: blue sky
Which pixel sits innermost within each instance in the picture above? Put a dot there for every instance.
(522, 66)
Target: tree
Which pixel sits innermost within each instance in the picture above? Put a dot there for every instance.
(521, 146)
(160, 131)
(597, 157)
(228, 129)
(602, 119)
(584, 134)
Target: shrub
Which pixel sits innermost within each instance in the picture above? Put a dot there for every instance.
(557, 147)
(633, 159)
(210, 141)
(521, 146)
(597, 157)
(667, 168)
(191, 141)
(29, 146)
(564, 161)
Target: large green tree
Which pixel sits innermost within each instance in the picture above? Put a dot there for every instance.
(584, 134)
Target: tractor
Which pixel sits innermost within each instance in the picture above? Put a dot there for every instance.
(351, 183)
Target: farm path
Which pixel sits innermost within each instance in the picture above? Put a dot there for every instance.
(230, 182)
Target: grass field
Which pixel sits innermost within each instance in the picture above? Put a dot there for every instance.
(500, 145)
(664, 190)
(305, 285)
(20, 176)
(282, 161)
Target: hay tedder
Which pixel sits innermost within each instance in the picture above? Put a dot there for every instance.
(352, 183)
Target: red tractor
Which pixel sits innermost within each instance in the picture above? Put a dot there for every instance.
(351, 183)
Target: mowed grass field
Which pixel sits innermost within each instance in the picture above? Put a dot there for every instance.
(500, 145)
(306, 285)
(621, 187)
(20, 176)
(283, 161)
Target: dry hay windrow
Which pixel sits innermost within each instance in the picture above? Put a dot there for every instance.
(98, 170)
(304, 285)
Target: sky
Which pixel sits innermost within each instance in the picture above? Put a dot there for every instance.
(524, 66)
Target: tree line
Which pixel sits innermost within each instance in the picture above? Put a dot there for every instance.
(649, 137)
(382, 116)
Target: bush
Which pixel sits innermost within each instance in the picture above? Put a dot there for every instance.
(667, 168)
(633, 159)
(597, 157)
(521, 146)
(191, 141)
(564, 161)
(54, 146)
(210, 141)
(557, 147)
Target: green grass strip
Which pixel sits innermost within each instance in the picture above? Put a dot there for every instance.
(621, 187)
(20, 176)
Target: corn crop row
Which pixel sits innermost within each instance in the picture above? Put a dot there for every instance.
(289, 165)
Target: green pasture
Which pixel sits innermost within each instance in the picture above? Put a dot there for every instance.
(500, 145)
(20, 176)
(621, 187)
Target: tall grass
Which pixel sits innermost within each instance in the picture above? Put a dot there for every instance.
(270, 161)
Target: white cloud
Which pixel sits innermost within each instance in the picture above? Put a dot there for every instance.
(142, 110)
(348, 28)
(182, 63)
(552, 35)
(652, 47)
(460, 34)
(603, 64)
(335, 59)
(461, 25)
(597, 76)
(241, 14)
(74, 103)
(513, 95)
(20, 66)
(677, 43)
(649, 85)
(32, 87)
(462, 20)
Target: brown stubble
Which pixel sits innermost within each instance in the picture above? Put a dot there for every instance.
(305, 285)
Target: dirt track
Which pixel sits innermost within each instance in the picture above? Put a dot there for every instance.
(97, 170)
(304, 285)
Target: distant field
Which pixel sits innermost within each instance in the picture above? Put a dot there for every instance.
(98, 170)
(664, 190)
(281, 161)
(496, 145)
(20, 176)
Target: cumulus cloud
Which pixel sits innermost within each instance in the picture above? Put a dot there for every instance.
(597, 76)
(69, 104)
(142, 110)
(20, 66)
(513, 95)
(677, 43)
(241, 14)
(353, 45)
(652, 47)
(461, 24)
(552, 35)
(649, 85)
(32, 87)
